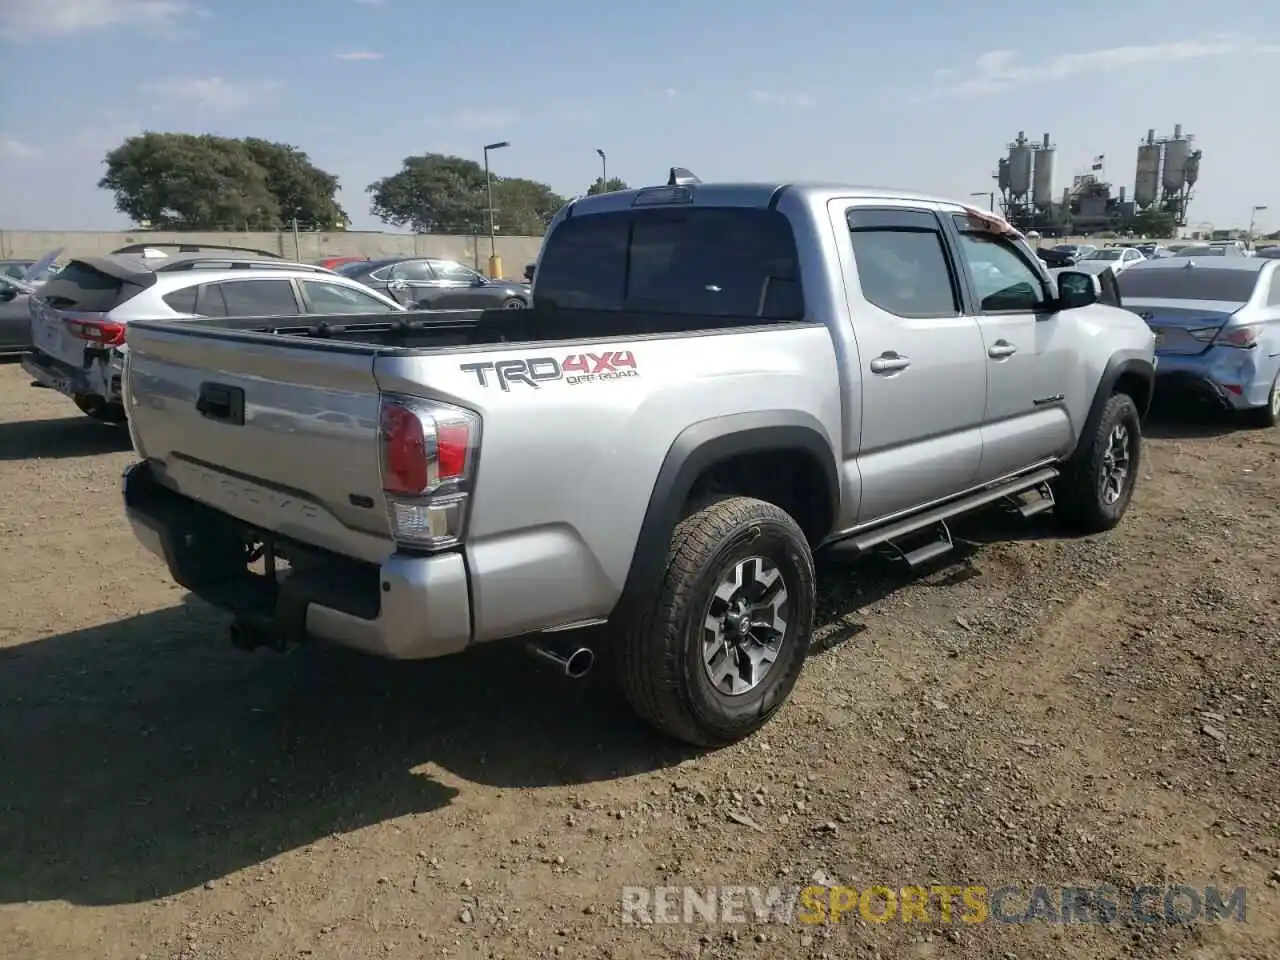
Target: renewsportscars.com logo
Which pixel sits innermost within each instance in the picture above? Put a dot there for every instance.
(934, 904)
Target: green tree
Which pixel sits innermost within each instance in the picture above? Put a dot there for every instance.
(302, 190)
(524, 207)
(599, 186)
(1155, 223)
(183, 181)
(439, 193)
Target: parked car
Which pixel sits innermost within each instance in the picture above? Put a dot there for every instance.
(1055, 258)
(1208, 250)
(33, 273)
(15, 303)
(713, 383)
(1269, 253)
(1118, 259)
(333, 263)
(80, 319)
(1075, 250)
(1217, 326)
(429, 283)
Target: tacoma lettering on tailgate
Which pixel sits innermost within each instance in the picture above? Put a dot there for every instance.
(573, 369)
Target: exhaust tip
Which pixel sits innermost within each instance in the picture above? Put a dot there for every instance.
(579, 663)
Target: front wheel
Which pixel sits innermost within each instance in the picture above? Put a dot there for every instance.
(513, 303)
(1096, 484)
(721, 646)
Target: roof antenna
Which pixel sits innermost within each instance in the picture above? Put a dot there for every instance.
(681, 176)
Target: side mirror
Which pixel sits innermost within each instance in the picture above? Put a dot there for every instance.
(479, 281)
(1077, 289)
(8, 293)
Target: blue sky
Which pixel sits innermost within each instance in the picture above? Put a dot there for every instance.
(919, 95)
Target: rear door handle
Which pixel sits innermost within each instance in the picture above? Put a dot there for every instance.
(1001, 349)
(889, 362)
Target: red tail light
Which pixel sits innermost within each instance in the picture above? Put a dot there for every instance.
(404, 456)
(105, 332)
(428, 452)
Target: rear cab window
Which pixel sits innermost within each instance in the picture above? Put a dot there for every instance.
(737, 265)
(94, 287)
(902, 262)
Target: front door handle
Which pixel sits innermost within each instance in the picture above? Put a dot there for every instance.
(889, 362)
(1001, 349)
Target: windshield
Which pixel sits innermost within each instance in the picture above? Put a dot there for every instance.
(1211, 283)
(1102, 255)
(1201, 252)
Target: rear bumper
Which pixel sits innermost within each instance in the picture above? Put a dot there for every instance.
(55, 374)
(1233, 379)
(406, 608)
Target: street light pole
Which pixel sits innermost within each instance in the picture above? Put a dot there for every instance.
(604, 171)
(495, 264)
(1253, 219)
(991, 198)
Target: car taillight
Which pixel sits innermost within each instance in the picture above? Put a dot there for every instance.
(1242, 337)
(105, 332)
(428, 462)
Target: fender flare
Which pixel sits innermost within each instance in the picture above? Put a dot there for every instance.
(696, 449)
(1118, 366)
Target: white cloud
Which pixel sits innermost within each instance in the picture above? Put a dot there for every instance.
(17, 150)
(359, 55)
(476, 120)
(214, 93)
(29, 19)
(773, 98)
(670, 93)
(998, 70)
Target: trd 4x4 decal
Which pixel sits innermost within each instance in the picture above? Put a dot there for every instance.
(573, 369)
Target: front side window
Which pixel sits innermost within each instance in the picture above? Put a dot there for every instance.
(1004, 278)
(335, 298)
(453, 272)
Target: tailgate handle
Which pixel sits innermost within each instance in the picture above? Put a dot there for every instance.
(219, 402)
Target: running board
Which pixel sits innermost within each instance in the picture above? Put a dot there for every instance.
(936, 516)
(1042, 501)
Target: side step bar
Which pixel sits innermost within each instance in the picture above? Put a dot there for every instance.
(946, 511)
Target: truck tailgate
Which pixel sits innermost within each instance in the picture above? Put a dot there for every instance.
(281, 435)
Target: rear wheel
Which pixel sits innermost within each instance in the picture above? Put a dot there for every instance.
(99, 409)
(721, 646)
(1267, 415)
(1096, 484)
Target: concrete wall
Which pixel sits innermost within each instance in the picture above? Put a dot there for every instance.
(473, 251)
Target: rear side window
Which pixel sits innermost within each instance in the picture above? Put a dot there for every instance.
(902, 262)
(182, 301)
(735, 263)
(1188, 283)
(259, 298)
(80, 286)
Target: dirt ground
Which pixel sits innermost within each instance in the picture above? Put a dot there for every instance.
(1036, 711)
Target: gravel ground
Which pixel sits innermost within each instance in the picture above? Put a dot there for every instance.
(1034, 711)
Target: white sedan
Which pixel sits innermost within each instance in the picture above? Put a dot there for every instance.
(1119, 259)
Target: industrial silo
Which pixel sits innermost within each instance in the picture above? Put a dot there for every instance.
(1042, 178)
(1193, 167)
(1146, 183)
(1176, 152)
(1020, 167)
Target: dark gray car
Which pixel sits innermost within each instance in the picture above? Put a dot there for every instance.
(430, 283)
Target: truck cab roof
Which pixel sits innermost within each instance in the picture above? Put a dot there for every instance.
(745, 194)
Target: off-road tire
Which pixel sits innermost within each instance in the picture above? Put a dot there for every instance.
(1268, 415)
(1080, 506)
(659, 659)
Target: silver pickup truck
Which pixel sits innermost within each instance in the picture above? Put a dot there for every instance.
(715, 381)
